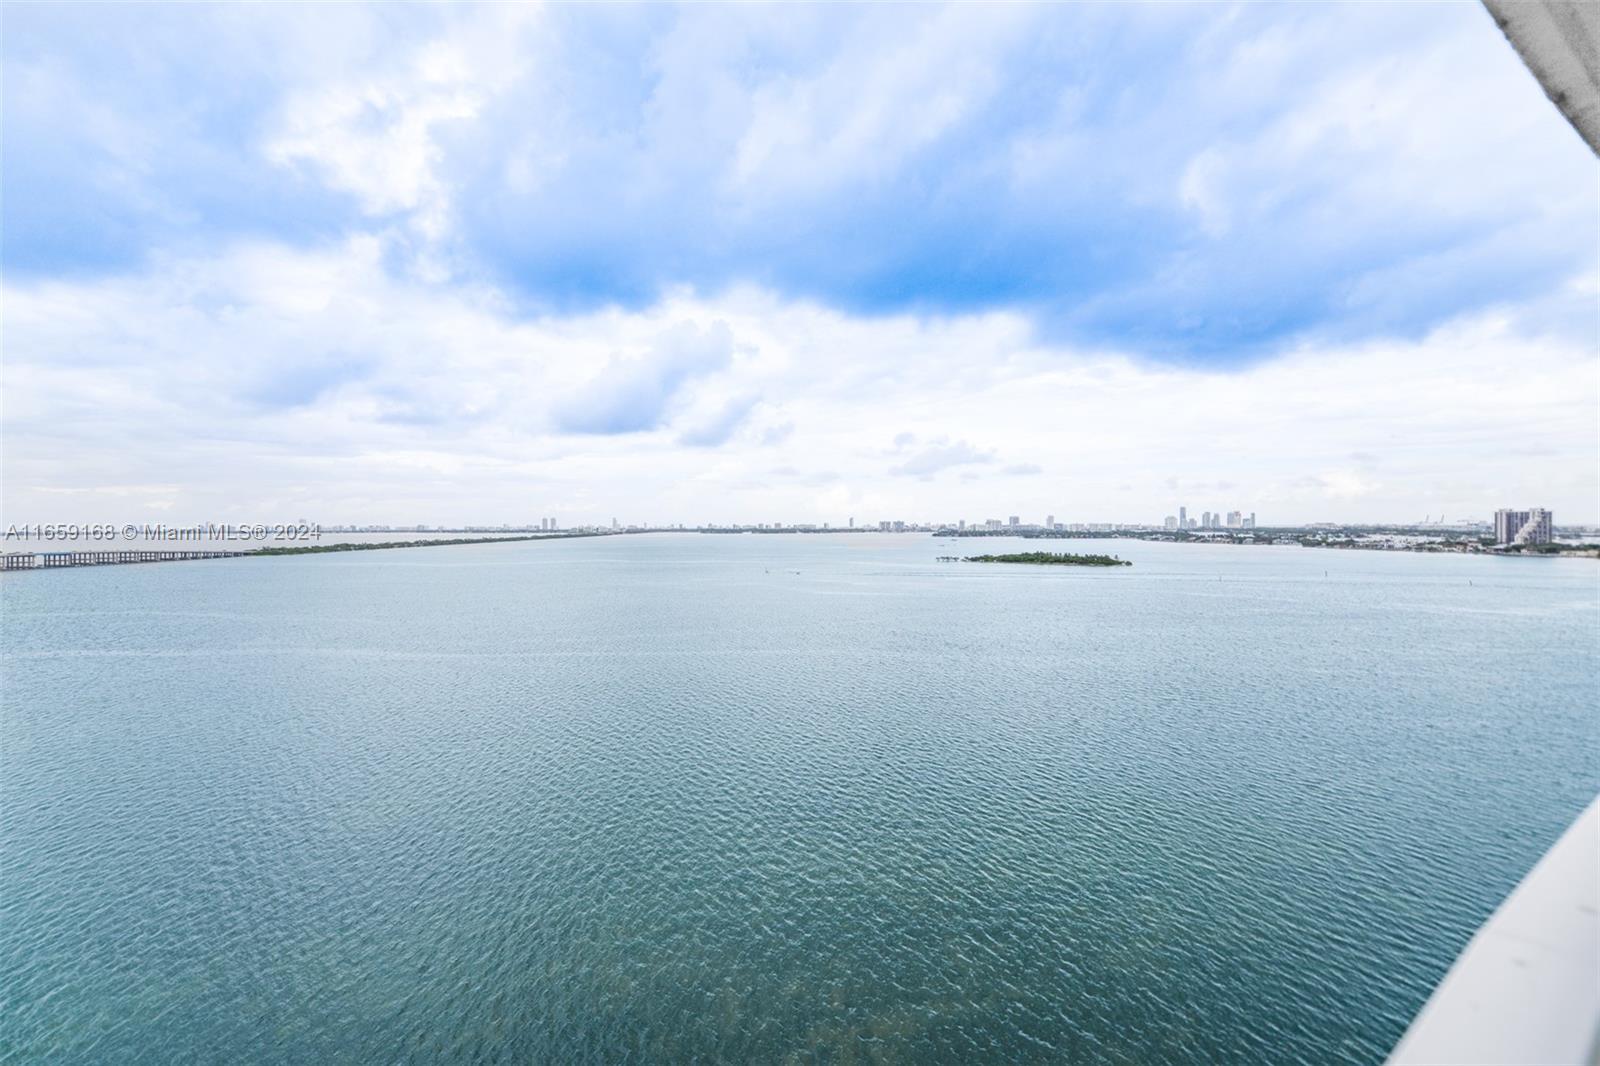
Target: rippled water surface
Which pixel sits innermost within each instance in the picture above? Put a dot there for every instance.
(769, 798)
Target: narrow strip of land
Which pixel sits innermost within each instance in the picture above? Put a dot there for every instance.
(54, 560)
(317, 549)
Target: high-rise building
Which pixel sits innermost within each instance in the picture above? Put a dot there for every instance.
(1532, 526)
(1014, 521)
(1507, 523)
(1171, 522)
(1049, 521)
(1205, 519)
(1536, 530)
(1250, 523)
(1183, 518)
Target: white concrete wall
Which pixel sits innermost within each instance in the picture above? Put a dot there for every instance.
(1527, 988)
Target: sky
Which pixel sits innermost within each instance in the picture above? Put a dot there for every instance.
(716, 263)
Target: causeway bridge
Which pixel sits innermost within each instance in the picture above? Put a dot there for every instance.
(52, 560)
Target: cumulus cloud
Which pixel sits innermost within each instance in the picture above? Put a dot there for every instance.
(721, 425)
(1284, 172)
(487, 263)
(380, 135)
(777, 434)
(631, 395)
(411, 401)
(941, 455)
(297, 382)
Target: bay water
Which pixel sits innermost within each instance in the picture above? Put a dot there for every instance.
(769, 798)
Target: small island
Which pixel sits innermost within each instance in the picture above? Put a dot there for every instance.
(1042, 559)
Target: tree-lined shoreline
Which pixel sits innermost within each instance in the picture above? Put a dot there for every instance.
(1041, 559)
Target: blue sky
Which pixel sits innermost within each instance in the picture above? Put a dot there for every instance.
(1200, 194)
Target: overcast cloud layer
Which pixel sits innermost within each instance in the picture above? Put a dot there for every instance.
(457, 264)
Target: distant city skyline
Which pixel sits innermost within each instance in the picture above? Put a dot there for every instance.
(1534, 526)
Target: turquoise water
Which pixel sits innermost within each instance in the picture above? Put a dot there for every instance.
(772, 798)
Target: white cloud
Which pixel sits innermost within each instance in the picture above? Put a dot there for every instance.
(634, 394)
(720, 425)
(376, 134)
(271, 382)
(1379, 136)
(883, 96)
(939, 456)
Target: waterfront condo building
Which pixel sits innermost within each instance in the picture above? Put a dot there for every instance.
(1522, 527)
